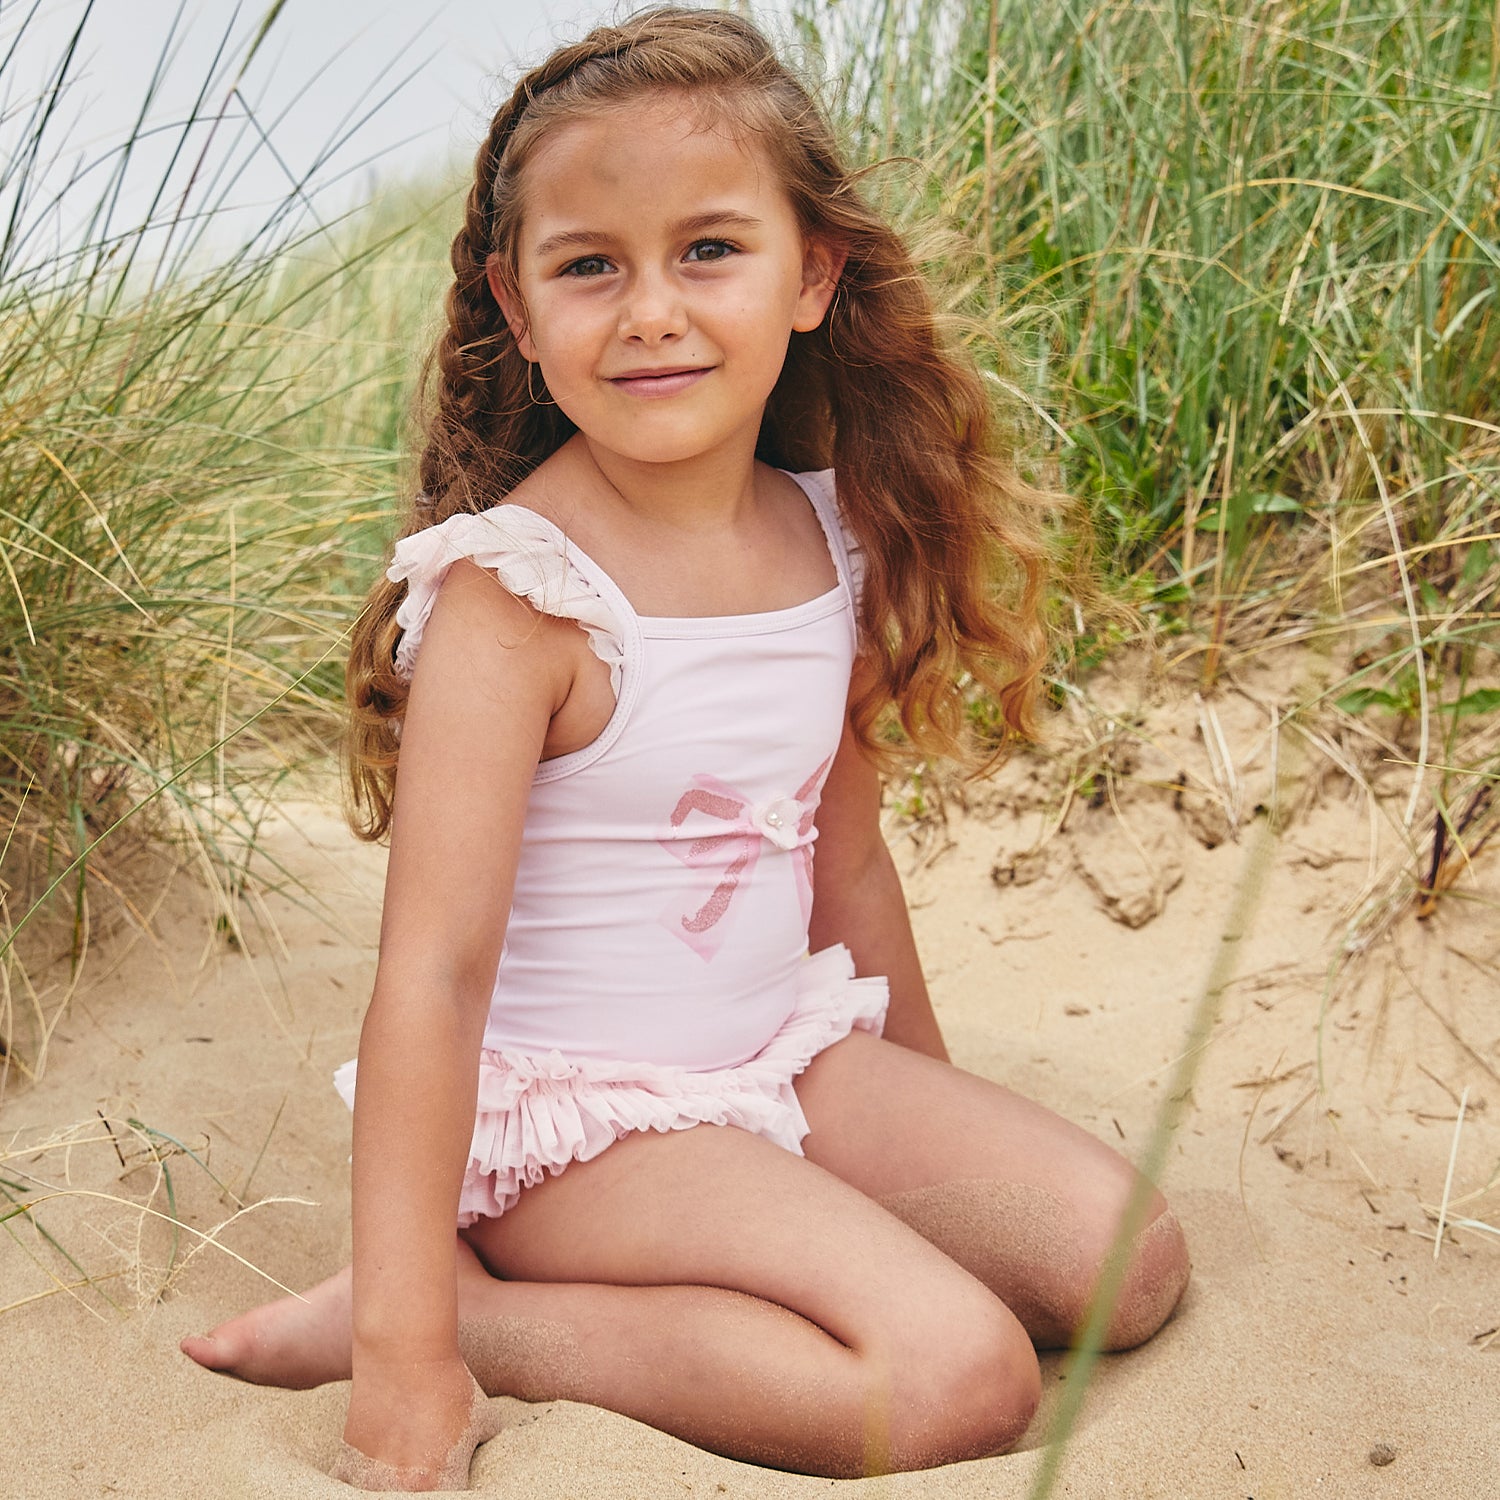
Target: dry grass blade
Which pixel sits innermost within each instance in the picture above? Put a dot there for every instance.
(1088, 1342)
(1442, 1218)
(205, 1238)
(1454, 854)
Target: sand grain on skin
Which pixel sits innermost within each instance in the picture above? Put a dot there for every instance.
(534, 1359)
(362, 1472)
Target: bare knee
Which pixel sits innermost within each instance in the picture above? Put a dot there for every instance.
(1156, 1275)
(1056, 1297)
(969, 1392)
(990, 1391)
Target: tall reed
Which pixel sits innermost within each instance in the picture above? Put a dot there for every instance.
(196, 463)
(1245, 256)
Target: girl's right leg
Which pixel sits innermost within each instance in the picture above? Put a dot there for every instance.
(749, 1301)
(740, 1297)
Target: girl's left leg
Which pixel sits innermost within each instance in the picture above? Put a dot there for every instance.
(1022, 1199)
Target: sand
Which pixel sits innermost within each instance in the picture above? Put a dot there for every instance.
(1322, 1349)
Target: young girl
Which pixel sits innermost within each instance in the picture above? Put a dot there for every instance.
(703, 497)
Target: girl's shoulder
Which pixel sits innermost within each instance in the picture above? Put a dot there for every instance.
(529, 556)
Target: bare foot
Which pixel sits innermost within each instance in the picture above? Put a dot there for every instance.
(295, 1343)
(300, 1342)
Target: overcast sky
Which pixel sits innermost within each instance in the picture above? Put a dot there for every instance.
(323, 67)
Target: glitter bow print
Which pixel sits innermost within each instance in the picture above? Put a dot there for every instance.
(728, 855)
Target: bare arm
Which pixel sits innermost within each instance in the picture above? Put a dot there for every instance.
(858, 901)
(487, 682)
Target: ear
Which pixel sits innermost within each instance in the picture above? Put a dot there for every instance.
(511, 306)
(822, 265)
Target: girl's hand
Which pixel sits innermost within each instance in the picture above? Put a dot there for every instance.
(414, 1427)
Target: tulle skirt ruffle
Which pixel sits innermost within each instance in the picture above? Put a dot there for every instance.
(538, 1113)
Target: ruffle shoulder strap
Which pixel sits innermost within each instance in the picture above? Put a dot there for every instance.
(527, 553)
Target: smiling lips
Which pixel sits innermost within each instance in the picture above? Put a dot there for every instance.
(666, 382)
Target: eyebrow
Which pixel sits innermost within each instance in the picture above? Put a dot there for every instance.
(566, 239)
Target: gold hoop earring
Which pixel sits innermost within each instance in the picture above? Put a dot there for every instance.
(530, 390)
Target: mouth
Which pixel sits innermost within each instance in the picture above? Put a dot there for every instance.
(664, 382)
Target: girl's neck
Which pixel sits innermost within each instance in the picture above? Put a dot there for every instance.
(708, 493)
(706, 538)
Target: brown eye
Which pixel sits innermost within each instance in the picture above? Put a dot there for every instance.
(710, 250)
(590, 265)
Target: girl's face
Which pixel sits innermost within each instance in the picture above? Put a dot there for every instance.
(661, 274)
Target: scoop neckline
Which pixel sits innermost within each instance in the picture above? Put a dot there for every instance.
(761, 621)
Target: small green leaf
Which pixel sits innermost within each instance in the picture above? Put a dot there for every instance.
(1264, 502)
(1045, 256)
(1476, 564)
(1360, 699)
(1480, 701)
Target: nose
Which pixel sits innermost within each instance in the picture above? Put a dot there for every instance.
(652, 309)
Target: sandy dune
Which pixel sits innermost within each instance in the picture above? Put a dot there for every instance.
(1320, 1334)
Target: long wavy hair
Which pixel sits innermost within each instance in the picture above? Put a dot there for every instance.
(953, 560)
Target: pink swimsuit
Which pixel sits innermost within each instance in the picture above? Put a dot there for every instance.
(655, 973)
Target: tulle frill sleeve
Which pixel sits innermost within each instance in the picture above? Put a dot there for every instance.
(527, 554)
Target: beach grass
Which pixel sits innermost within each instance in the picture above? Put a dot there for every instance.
(199, 439)
(1236, 269)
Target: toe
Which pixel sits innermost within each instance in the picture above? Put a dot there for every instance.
(205, 1350)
